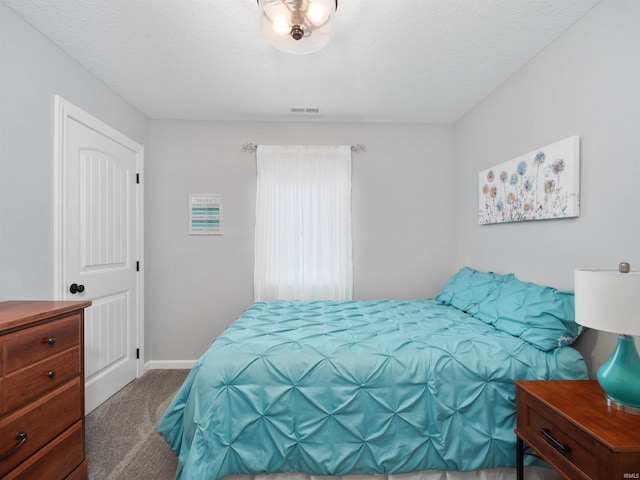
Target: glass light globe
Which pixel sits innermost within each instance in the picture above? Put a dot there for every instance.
(311, 21)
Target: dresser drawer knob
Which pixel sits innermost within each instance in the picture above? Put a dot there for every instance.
(51, 340)
(21, 437)
(554, 441)
(51, 374)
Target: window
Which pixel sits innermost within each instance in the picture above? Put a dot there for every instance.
(303, 223)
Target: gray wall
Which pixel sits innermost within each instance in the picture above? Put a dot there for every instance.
(33, 70)
(196, 285)
(586, 83)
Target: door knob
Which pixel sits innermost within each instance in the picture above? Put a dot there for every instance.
(75, 288)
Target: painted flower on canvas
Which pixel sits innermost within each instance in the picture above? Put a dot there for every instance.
(540, 185)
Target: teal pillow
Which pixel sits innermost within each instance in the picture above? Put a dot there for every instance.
(539, 315)
(468, 287)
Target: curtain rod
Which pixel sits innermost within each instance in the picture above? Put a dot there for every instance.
(252, 147)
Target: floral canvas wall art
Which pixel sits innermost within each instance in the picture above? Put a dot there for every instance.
(539, 185)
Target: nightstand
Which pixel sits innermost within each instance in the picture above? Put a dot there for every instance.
(568, 423)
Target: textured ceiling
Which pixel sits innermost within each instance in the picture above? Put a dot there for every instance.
(389, 60)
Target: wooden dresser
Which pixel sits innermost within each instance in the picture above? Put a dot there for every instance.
(42, 390)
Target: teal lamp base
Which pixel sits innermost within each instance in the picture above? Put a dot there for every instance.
(619, 376)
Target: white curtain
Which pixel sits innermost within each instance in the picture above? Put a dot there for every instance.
(303, 223)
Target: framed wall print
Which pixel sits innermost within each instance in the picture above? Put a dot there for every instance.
(543, 184)
(205, 214)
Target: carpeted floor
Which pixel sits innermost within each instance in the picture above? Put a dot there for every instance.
(121, 438)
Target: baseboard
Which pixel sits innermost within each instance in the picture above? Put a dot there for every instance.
(169, 365)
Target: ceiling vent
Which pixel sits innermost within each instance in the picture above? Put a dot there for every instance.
(306, 111)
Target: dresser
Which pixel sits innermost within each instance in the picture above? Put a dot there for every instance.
(568, 423)
(42, 390)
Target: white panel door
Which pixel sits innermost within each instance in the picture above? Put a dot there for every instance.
(100, 243)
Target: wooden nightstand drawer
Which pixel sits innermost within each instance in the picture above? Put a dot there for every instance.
(30, 345)
(558, 439)
(568, 423)
(41, 420)
(26, 384)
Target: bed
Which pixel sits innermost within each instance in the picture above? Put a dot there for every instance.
(373, 387)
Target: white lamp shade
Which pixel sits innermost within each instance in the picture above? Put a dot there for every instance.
(608, 300)
(314, 17)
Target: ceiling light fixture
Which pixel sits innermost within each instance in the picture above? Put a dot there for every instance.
(297, 26)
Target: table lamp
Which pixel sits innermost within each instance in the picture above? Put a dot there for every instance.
(609, 300)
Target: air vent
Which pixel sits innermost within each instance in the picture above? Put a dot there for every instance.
(305, 110)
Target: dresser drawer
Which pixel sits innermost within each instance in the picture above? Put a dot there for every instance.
(26, 384)
(56, 460)
(27, 346)
(41, 420)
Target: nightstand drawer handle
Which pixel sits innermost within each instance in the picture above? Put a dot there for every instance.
(21, 437)
(553, 441)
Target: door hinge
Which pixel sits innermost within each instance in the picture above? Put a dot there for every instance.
(137, 266)
(137, 178)
(137, 353)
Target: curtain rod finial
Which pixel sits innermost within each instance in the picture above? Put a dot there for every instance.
(249, 147)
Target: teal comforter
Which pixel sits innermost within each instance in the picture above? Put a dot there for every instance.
(334, 388)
